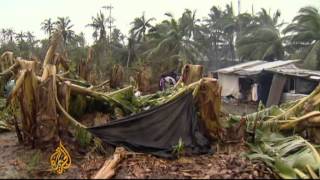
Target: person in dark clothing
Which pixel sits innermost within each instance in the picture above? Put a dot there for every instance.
(162, 83)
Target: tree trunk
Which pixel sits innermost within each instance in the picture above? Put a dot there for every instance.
(130, 52)
(117, 76)
(231, 46)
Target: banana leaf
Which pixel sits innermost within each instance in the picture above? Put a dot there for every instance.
(261, 115)
(288, 156)
(284, 170)
(6, 116)
(2, 103)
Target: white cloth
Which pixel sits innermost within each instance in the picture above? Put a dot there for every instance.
(254, 92)
(170, 79)
(137, 94)
(230, 85)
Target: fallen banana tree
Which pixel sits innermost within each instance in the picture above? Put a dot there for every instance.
(44, 96)
(50, 102)
(5, 116)
(301, 115)
(287, 137)
(291, 157)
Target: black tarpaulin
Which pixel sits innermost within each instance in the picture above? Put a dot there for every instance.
(157, 130)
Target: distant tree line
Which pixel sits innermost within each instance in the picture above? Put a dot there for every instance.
(167, 45)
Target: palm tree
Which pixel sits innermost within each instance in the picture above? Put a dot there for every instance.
(229, 25)
(172, 38)
(244, 22)
(81, 39)
(10, 33)
(99, 25)
(116, 37)
(217, 35)
(20, 39)
(29, 43)
(64, 25)
(3, 33)
(48, 26)
(261, 39)
(188, 23)
(213, 36)
(139, 28)
(30, 37)
(304, 33)
(31, 40)
(131, 51)
(20, 36)
(95, 35)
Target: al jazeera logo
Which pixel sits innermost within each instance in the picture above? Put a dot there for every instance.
(60, 160)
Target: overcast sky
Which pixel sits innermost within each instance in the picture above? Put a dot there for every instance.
(26, 15)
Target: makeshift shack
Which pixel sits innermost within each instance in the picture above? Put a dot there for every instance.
(249, 81)
(291, 83)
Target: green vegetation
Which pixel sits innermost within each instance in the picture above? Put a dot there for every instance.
(178, 149)
(221, 35)
(286, 137)
(291, 157)
(34, 160)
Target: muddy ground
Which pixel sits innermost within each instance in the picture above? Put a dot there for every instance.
(17, 161)
(239, 108)
(227, 161)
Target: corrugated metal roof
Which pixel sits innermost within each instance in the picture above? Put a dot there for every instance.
(238, 67)
(293, 70)
(254, 67)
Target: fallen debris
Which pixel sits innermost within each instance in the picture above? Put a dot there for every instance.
(225, 164)
(286, 137)
(108, 169)
(291, 157)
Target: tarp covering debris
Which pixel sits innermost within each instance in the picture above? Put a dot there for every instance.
(158, 130)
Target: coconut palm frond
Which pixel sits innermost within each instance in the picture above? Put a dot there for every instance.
(312, 59)
(305, 29)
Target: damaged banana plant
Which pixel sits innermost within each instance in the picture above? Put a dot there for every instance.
(206, 92)
(291, 157)
(52, 103)
(45, 95)
(287, 137)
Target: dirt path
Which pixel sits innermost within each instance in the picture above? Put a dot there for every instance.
(17, 161)
(9, 151)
